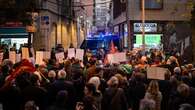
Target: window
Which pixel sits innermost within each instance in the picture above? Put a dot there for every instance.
(153, 4)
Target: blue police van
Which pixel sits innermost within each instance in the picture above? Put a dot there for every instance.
(94, 43)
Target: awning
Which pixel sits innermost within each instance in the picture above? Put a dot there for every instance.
(13, 32)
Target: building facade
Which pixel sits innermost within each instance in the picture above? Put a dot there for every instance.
(57, 23)
(165, 19)
(101, 15)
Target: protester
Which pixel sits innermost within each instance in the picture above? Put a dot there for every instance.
(90, 84)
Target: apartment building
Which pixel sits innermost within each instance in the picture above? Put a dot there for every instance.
(101, 14)
(57, 24)
(166, 21)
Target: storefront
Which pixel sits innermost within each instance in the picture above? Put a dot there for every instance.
(13, 35)
(152, 35)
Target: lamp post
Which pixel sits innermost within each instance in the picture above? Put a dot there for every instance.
(128, 25)
(143, 23)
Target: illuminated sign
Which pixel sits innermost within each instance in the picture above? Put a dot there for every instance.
(151, 40)
(148, 27)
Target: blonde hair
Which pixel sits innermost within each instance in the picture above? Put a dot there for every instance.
(153, 88)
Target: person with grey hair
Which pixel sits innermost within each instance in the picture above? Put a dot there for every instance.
(62, 84)
(30, 105)
(186, 107)
(181, 96)
(114, 97)
(51, 75)
(98, 95)
(61, 74)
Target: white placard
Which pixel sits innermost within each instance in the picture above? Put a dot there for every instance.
(47, 55)
(110, 58)
(32, 51)
(182, 48)
(18, 58)
(116, 58)
(156, 73)
(12, 56)
(187, 42)
(1, 57)
(79, 54)
(71, 52)
(60, 57)
(121, 57)
(25, 53)
(39, 57)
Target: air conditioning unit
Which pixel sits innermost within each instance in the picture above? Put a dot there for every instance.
(123, 1)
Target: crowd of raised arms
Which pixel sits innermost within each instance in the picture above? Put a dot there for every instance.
(94, 85)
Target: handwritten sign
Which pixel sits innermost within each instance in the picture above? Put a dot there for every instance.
(79, 54)
(121, 56)
(71, 52)
(12, 56)
(39, 57)
(18, 58)
(110, 58)
(60, 57)
(117, 57)
(25, 53)
(1, 57)
(47, 55)
(156, 73)
(32, 51)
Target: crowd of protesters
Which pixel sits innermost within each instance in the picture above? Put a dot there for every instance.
(93, 85)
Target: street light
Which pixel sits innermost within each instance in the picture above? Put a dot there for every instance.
(143, 23)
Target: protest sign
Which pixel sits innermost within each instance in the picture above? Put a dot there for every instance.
(39, 57)
(79, 54)
(1, 58)
(71, 52)
(25, 53)
(156, 73)
(60, 57)
(12, 56)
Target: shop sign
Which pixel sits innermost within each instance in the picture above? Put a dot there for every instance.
(45, 21)
(148, 27)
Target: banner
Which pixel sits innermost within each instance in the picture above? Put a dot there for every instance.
(79, 54)
(12, 56)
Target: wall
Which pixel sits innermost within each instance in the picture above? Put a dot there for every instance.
(172, 10)
(58, 31)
